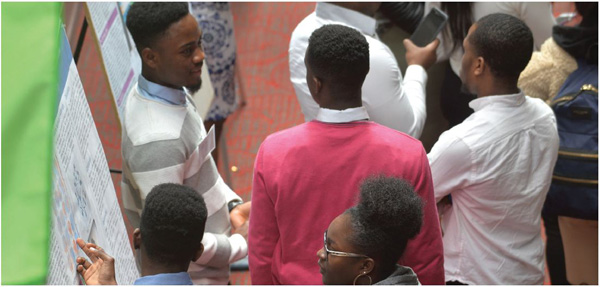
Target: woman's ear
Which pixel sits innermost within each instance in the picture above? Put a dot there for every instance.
(367, 265)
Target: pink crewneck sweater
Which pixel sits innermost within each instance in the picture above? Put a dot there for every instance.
(307, 175)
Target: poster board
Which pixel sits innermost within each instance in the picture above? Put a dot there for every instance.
(120, 61)
(84, 200)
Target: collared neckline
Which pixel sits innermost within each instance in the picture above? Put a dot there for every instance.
(343, 116)
(509, 100)
(181, 278)
(361, 22)
(162, 93)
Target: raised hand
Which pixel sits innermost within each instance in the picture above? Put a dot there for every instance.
(101, 271)
(423, 56)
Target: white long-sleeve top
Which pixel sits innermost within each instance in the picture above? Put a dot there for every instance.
(390, 100)
(497, 166)
(536, 15)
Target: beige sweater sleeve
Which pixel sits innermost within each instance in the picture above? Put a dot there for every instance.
(546, 71)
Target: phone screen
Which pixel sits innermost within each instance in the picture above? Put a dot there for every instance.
(429, 28)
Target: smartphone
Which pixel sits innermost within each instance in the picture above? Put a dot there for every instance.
(429, 28)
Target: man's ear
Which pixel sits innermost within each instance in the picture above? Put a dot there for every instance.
(150, 58)
(318, 84)
(480, 66)
(198, 253)
(316, 92)
(137, 238)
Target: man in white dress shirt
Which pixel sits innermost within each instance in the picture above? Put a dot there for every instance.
(497, 164)
(390, 100)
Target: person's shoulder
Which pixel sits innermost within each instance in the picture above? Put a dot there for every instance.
(299, 38)
(381, 56)
(539, 106)
(560, 58)
(287, 136)
(305, 28)
(471, 130)
(148, 121)
(389, 135)
(376, 45)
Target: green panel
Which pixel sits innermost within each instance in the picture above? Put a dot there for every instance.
(30, 50)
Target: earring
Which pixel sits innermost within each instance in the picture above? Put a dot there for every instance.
(363, 274)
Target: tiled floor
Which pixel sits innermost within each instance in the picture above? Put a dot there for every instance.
(262, 35)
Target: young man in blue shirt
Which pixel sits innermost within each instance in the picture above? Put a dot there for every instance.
(169, 237)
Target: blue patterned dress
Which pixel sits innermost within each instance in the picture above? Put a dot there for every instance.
(216, 22)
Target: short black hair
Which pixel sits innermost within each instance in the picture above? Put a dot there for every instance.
(339, 55)
(388, 214)
(505, 43)
(172, 223)
(148, 20)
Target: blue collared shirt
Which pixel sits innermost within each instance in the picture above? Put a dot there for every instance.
(160, 93)
(181, 278)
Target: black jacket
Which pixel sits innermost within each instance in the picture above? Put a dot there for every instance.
(580, 42)
(402, 276)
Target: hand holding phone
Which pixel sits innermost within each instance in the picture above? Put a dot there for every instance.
(424, 56)
(429, 28)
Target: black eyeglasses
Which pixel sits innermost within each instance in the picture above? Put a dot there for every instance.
(338, 253)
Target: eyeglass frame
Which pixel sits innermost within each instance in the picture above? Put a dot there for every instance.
(339, 253)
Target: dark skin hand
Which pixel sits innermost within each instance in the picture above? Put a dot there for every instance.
(102, 269)
(240, 219)
(423, 56)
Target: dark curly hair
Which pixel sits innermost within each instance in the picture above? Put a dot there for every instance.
(338, 55)
(388, 214)
(172, 223)
(148, 20)
(505, 43)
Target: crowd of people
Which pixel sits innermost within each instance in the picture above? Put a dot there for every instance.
(467, 212)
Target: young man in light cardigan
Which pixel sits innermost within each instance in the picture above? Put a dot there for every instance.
(162, 136)
(307, 175)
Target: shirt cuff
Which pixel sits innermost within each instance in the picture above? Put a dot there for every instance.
(210, 248)
(239, 247)
(416, 73)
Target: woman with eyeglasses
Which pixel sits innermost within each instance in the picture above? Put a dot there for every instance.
(363, 245)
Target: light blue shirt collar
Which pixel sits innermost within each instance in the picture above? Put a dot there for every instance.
(343, 116)
(160, 93)
(357, 20)
(181, 278)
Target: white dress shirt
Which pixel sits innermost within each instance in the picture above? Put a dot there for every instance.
(497, 165)
(342, 116)
(389, 100)
(537, 16)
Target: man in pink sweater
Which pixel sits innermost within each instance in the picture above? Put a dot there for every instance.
(307, 175)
